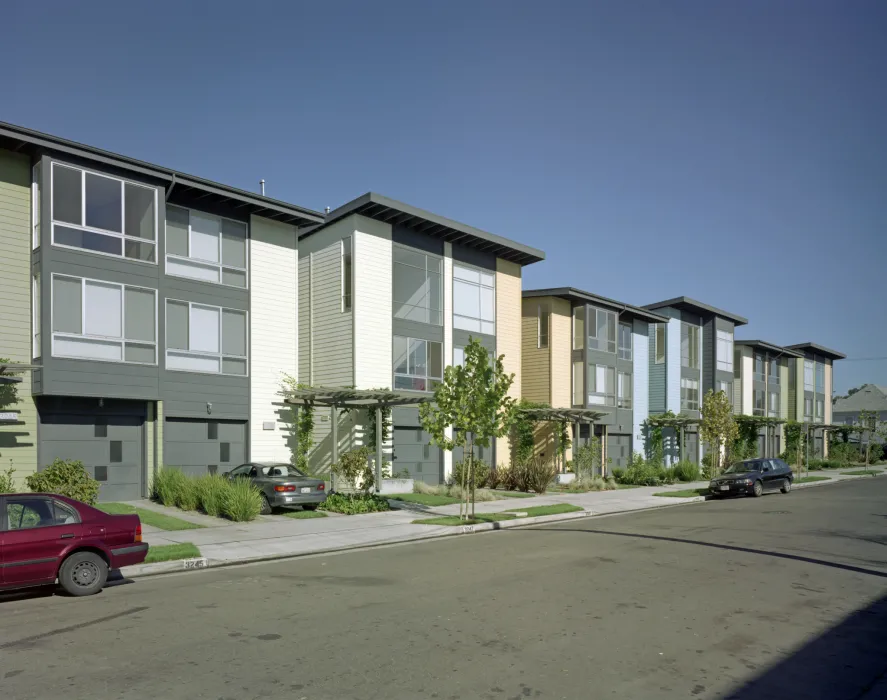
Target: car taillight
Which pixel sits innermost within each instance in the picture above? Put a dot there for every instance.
(281, 489)
(138, 532)
(321, 486)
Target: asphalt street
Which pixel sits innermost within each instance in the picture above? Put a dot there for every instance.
(783, 596)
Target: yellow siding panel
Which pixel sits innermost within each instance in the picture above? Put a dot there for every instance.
(508, 331)
(535, 361)
(561, 353)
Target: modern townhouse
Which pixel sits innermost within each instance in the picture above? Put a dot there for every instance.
(811, 386)
(389, 296)
(581, 350)
(157, 309)
(690, 354)
(870, 397)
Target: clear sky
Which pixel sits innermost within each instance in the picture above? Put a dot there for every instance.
(735, 152)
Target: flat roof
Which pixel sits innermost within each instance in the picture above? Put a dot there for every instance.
(772, 347)
(18, 137)
(688, 304)
(574, 294)
(390, 211)
(819, 350)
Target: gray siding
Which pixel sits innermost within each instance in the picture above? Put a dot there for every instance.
(657, 377)
(331, 328)
(709, 357)
(461, 339)
(415, 329)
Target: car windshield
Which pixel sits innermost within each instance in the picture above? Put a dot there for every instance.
(741, 467)
(280, 470)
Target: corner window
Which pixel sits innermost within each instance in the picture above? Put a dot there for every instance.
(36, 190)
(578, 383)
(418, 294)
(760, 398)
(625, 341)
(103, 214)
(602, 330)
(659, 343)
(474, 300)
(623, 390)
(808, 410)
(808, 375)
(689, 394)
(820, 377)
(418, 364)
(727, 388)
(578, 330)
(202, 338)
(205, 247)
(105, 321)
(773, 371)
(36, 308)
(346, 274)
(820, 409)
(759, 368)
(543, 326)
(601, 385)
(689, 346)
(725, 351)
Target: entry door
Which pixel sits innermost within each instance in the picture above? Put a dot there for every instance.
(413, 451)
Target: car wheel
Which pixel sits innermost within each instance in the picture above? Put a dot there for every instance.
(83, 573)
(310, 506)
(758, 489)
(266, 506)
(786, 485)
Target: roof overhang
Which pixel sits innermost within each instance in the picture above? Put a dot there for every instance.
(17, 138)
(573, 294)
(769, 347)
(697, 307)
(818, 349)
(390, 211)
(343, 397)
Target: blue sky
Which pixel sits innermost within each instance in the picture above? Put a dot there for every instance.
(732, 152)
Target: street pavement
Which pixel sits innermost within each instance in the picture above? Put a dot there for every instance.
(778, 597)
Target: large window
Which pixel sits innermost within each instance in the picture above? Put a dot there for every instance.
(760, 398)
(759, 368)
(347, 270)
(773, 371)
(601, 385)
(37, 316)
(625, 341)
(820, 409)
(689, 394)
(601, 330)
(578, 383)
(808, 410)
(727, 388)
(103, 214)
(205, 247)
(808, 375)
(418, 293)
(543, 326)
(623, 390)
(578, 329)
(418, 364)
(659, 342)
(105, 321)
(820, 377)
(474, 300)
(725, 351)
(202, 338)
(689, 346)
(36, 191)
(773, 404)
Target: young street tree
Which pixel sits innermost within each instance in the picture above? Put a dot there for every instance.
(473, 400)
(869, 428)
(718, 426)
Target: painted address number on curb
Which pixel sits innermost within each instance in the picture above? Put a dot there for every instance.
(466, 529)
(195, 563)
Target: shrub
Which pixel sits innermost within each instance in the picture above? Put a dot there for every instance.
(618, 474)
(494, 480)
(481, 473)
(875, 455)
(643, 473)
(352, 504)
(511, 477)
(163, 488)
(538, 475)
(422, 487)
(845, 453)
(587, 459)
(210, 491)
(685, 471)
(480, 495)
(241, 501)
(66, 478)
(7, 483)
(355, 470)
(596, 483)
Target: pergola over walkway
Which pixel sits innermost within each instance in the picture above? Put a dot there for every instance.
(576, 416)
(677, 423)
(336, 398)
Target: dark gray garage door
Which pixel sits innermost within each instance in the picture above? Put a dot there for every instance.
(619, 450)
(413, 450)
(198, 446)
(111, 448)
(691, 446)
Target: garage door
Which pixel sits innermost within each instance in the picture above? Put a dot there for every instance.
(413, 450)
(110, 447)
(198, 446)
(691, 446)
(619, 450)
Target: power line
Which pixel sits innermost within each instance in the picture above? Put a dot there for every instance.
(863, 359)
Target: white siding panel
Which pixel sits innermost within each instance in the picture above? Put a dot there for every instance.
(373, 312)
(448, 338)
(748, 389)
(304, 342)
(641, 390)
(331, 328)
(273, 333)
(673, 366)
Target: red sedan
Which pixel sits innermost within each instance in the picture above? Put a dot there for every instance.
(46, 538)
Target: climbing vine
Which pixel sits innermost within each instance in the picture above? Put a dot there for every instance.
(302, 426)
(8, 392)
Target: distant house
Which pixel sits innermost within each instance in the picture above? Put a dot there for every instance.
(869, 398)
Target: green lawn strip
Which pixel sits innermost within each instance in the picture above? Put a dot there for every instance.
(862, 472)
(454, 519)
(149, 517)
(627, 486)
(424, 499)
(683, 493)
(171, 552)
(535, 511)
(515, 494)
(811, 479)
(303, 514)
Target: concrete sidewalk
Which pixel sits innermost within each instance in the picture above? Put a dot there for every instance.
(278, 536)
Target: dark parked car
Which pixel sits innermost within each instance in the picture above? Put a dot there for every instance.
(46, 537)
(282, 485)
(753, 477)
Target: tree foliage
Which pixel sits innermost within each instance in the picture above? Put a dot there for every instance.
(8, 392)
(718, 426)
(301, 422)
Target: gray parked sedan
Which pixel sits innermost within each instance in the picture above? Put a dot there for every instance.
(282, 485)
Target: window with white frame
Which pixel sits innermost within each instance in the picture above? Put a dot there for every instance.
(689, 346)
(689, 394)
(760, 398)
(36, 307)
(759, 368)
(105, 321)
(773, 404)
(474, 300)
(36, 191)
(625, 341)
(623, 390)
(820, 408)
(659, 343)
(773, 371)
(601, 385)
(103, 214)
(820, 377)
(418, 290)
(808, 410)
(578, 383)
(418, 364)
(205, 247)
(727, 388)
(808, 375)
(347, 271)
(725, 351)
(543, 325)
(601, 329)
(204, 338)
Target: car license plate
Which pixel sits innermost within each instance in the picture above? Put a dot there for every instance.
(306, 489)
(288, 499)
(724, 487)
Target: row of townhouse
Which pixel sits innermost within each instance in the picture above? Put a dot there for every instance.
(156, 314)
